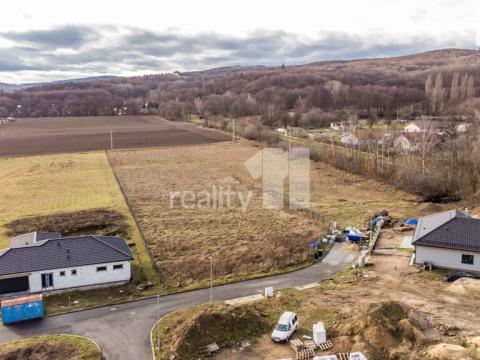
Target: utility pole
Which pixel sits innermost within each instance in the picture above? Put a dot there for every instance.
(111, 139)
(233, 131)
(289, 134)
(211, 279)
(158, 322)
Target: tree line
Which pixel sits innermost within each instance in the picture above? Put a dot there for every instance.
(374, 89)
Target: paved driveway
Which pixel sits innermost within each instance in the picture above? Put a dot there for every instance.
(123, 331)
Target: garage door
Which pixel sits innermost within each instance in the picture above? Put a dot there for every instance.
(12, 285)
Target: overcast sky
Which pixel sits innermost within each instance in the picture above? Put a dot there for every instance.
(50, 39)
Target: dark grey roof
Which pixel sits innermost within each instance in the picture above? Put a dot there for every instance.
(43, 235)
(431, 222)
(33, 237)
(459, 233)
(65, 252)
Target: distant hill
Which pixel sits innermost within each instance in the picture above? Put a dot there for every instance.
(382, 87)
(12, 87)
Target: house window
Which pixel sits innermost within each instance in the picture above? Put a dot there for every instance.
(101, 268)
(467, 259)
(47, 280)
(118, 267)
(74, 272)
(62, 273)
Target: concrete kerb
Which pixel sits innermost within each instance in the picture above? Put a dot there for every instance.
(163, 317)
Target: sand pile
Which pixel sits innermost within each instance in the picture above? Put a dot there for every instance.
(448, 352)
(465, 285)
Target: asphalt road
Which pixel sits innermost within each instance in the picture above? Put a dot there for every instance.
(123, 331)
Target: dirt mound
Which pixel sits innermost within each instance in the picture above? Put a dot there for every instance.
(96, 221)
(382, 327)
(428, 208)
(447, 352)
(465, 285)
(226, 326)
(53, 347)
(39, 352)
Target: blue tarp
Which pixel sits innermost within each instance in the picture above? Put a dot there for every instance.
(411, 222)
(313, 244)
(353, 237)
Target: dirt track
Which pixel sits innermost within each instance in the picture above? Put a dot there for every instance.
(35, 136)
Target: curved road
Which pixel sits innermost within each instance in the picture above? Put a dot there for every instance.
(123, 331)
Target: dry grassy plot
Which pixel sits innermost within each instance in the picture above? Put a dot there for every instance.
(240, 243)
(183, 239)
(71, 193)
(35, 136)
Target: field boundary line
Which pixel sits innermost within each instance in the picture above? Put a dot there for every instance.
(162, 147)
(132, 213)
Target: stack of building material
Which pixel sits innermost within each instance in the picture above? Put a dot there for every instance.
(297, 344)
(303, 350)
(327, 345)
(305, 354)
(310, 344)
(319, 333)
(357, 356)
(326, 357)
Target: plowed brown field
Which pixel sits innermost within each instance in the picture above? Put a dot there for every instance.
(35, 136)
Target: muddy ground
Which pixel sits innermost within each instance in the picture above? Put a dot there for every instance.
(87, 222)
(35, 136)
(441, 313)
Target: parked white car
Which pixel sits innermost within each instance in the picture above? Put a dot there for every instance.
(287, 324)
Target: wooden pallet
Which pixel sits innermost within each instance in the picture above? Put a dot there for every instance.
(343, 356)
(305, 354)
(296, 344)
(310, 344)
(327, 345)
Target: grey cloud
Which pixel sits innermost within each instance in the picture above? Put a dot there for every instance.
(147, 51)
(69, 36)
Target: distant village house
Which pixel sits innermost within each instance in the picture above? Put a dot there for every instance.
(415, 141)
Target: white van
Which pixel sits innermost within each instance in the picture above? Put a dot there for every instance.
(287, 324)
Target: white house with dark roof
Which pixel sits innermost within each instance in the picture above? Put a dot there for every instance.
(46, 262)
(449, 240)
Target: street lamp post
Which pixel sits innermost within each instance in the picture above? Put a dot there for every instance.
(211, 279)
(158, 322)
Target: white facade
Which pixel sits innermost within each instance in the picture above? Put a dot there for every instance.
(412, 127)
(82, 276)
(349, 139)
(446, 258)
(403, 144)
(462, 128)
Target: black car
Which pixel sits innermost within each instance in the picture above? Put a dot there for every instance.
(458, 275)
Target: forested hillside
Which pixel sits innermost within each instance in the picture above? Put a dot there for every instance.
(430, 83)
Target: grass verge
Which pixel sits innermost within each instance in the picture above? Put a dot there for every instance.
(51, 347)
